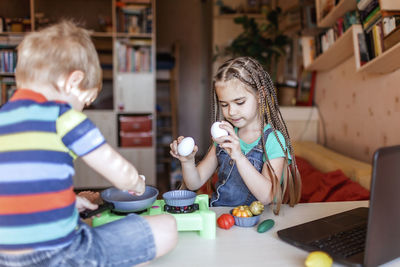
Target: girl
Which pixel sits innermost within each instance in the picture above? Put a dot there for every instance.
(255, 160)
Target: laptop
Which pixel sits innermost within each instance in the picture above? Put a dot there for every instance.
(361, 236)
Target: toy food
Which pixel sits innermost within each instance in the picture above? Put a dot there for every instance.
(242, 211)
(216, 131)
(265, 225)
(256, 207)
(186, 146)
(225, 221)
(318, 259)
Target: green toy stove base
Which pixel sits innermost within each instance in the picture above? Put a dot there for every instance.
(202, 220)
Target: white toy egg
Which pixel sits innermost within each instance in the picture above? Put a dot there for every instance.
(186, 146)
(216, 131)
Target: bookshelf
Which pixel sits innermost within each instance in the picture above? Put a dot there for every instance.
(339, 10)
(128, 95)
(347, 44)
(387, 62)
(342, 49)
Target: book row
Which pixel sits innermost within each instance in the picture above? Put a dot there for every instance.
(134, 58)
(8, 60)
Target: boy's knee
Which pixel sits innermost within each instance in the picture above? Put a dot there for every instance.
(171, 228)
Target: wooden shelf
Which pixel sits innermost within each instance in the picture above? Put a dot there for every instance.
(387, 62)
(342, 49)
(7, 73)
(134, 35)
(102, 34)
(236, 15)
(389, 5)
(335, 13)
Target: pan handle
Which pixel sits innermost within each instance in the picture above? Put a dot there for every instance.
(89, 213)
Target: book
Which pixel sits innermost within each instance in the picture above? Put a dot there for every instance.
(390, 23)
(370, 8)
(308, 49)
(392, 38)
(364, 55)
(362, 4)
(376, 34)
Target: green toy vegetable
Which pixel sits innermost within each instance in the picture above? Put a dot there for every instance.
(265, 225)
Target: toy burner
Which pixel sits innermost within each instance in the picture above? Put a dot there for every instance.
(197, 217)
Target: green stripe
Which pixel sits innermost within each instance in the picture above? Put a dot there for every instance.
(38, 233)
(32, 141)
(68, 121)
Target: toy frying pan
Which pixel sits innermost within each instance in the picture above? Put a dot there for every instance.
(122, 201)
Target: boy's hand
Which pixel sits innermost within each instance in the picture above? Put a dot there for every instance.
(84, 204)
(140, 186)
(175, 154)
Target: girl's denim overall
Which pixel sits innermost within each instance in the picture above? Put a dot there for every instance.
(230, 187)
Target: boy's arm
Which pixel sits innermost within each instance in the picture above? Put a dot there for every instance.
(116, 169)
(194, 177)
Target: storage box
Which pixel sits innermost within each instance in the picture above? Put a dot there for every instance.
(135, 123)
(136, 139)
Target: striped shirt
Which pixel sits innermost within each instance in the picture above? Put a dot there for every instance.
(38, 141)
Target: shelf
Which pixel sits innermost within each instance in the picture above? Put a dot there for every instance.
(389, 5)
(342, 49)
(336, 12)
(7, 74)
(102, 34)
(134, 35)
(387, 62)
(236, 15)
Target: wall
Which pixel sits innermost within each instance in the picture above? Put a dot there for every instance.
(189, 22)
(360, 111)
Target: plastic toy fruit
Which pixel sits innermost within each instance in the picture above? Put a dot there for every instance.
(242, 211)
(318, 259)
(225, 221)
(265, 225)
(256, 207)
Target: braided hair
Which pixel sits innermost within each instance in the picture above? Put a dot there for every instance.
(251, 73)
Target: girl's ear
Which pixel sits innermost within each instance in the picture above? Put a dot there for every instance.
(73, 81)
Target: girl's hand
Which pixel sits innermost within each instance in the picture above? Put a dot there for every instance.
(175, 154)
(230, 142)
(84, 204)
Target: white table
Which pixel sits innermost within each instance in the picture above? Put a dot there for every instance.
(246, 247)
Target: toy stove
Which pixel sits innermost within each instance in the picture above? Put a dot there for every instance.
(197, 217)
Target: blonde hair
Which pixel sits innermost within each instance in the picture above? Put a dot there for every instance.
(248, 71)
(55, 52)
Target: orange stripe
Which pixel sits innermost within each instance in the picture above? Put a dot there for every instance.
(24, 94)
(37, 202)
(28, 94)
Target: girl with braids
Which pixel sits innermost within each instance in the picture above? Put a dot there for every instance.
(255, 160)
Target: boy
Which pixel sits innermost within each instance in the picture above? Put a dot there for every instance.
(42, 129)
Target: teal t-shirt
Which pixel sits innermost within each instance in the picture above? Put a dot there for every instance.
(272, 146)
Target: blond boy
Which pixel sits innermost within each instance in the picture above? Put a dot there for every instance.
(42, 129)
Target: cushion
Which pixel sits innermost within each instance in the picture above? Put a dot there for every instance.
(330, 186)
(326, 160)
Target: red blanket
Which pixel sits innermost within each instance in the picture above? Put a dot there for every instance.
(330, 186)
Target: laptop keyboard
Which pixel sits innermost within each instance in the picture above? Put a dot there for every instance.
(346, 243)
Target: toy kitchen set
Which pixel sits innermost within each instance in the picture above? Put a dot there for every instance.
(191, 211)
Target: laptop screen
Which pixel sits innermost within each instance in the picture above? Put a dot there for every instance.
(383, 238)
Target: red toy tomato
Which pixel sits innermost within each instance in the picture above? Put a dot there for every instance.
(225, 221)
